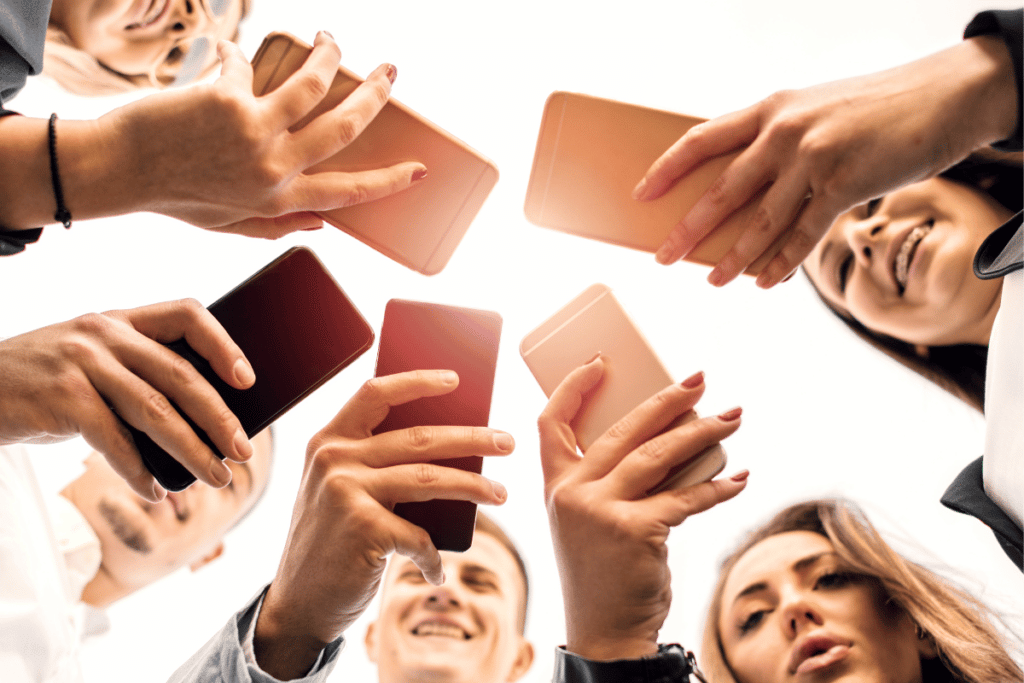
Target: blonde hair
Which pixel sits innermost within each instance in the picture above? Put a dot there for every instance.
(969, 647)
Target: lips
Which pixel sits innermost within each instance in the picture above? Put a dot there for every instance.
(440, 628)
(817, 653)
(154, 11)
(905, 254)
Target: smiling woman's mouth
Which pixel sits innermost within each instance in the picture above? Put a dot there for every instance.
(155, 11)
(901, 265)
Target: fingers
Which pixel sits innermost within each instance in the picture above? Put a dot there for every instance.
(811, 225)
(305, 88)
(647, 466)
(275, 227)
(370, 405)
(427, 481)
(674, 506)
(557, 441)
(235, 69)
(427, 443)
(334, 130)
(700, 143)
(330, 190)
(413, 542)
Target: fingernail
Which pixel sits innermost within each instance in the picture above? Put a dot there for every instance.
(499, 491)
(243, 372)
(762, 280)
(788, 277)
(504, 442)
(419, 174)
(663, 254)
(392, 73)
(593, 358)
(693, 381)
(328, 34)
(243, 447)
(449, 377)
(740, 476)
(730, 415)
(716, 278)
(220, 472)
(639, 192)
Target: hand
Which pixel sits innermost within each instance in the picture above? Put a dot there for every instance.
(70, 378)
(609, 534)
(218, 157)
(343, 527)
(823, 150)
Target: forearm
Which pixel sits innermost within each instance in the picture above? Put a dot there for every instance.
(281, 646)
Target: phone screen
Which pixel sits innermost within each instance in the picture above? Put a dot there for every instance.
(422, 336)
(296, 327)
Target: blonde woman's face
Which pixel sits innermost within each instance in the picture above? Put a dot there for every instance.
(149, 38)
(792, 612)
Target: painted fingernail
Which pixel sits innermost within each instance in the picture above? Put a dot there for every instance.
(640, 191)
(788, 277)
(328, 34)
(593, 358)
(504, 442)
(243, 447)
(220, 472)
(499, 491)
(730, 415)
(716, 277)
(664, 254)
(693, 381)
(419, 174)
(243, 372)
(740, 476)
(392, 73)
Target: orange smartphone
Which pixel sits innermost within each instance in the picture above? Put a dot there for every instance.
(596, 322)
(419, 227)
(591, 153)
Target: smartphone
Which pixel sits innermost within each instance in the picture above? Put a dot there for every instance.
(421, 226)
(296, 327)
(591, 153)
(595, 322)
(423, 336)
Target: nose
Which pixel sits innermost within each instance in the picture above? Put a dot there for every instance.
(798, 614)
(187, 18)
(863, 236)
(441, 599)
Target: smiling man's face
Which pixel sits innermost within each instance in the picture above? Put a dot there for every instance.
(465, 630)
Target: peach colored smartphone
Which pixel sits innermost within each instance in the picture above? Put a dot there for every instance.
(595, 322)
(591, 153)
(421, 226)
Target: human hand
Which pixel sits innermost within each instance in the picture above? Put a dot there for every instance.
(70, 378)
(221, 158)
(825, 149)
(343, 527)
(609, 533)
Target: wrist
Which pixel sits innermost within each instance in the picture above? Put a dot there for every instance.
(986, 69)
(605, 648)
(281, 646)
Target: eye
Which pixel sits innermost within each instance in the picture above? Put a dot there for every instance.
(844, 271)
(872, 206)
(752, 621)
(833, 580)
(412, 575)
(480, 585)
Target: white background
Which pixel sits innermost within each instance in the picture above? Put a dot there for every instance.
(824, 414)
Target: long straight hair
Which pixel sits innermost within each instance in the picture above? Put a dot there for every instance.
(970, 649)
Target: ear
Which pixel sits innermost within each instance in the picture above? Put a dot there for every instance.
(922, 351)
(208, 558)
(524, 660)
(370, 642)
(926, 646)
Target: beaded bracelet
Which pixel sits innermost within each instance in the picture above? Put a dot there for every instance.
(62, 215)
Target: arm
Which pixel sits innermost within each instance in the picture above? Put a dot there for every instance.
(825, 149)
(213, 155)
(600, 512)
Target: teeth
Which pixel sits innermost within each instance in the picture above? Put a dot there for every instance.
(906, 252)
(154, 11)
(443, 630)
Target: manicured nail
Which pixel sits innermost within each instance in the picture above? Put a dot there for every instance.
(419, 174)
(449, 377)
(243, 447)
(392, 73)
(716, 277)
(499, 491)
(740, 476)
(504, 442)
(762, 280)
(664, 254)
(593, 358)
(730, 415)
(243, 372)
(220, 472)
(328, 34)
(640, 191)
(693, 381)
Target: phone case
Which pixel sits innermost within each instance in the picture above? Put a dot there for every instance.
(296, 327)
(591, 153)
(594, 322)
(423, 336)
(421, 226)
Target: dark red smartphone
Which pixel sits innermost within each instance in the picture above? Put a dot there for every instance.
(296, 327)
(422, 336)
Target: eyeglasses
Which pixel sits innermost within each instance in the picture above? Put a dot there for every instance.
(191, 56)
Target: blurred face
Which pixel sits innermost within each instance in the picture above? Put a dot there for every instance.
(791, 612)
(142, 541)
(465, 630)
(149, 38)
(902, 265)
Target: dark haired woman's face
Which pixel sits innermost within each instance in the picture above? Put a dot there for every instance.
(902, 265)
(146, 37)
(791, 612)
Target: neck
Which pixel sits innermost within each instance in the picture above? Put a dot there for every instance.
(983, 331)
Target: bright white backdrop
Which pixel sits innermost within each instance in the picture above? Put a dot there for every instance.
(824, 414)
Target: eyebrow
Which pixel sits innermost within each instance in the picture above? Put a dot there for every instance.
(798, 566)
(480, 569)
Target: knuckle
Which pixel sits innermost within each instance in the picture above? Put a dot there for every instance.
(157, 408)
(92, 324)
(800, 240)
(653, 449)
(372, 390)
(314, 86)
(357, 193)
(421, 437)
(717, 193)
(425, 474)
(80, 350)
(621, 429)
(346, 131)
(182, 372)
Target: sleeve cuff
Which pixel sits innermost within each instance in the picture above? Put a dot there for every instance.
(1007, 24)
(14, 242)
(671, 664)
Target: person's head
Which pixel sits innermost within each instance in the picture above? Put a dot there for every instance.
(899, 271)
(468, 629)
(817, 592)
(141, 542)
(100, 47)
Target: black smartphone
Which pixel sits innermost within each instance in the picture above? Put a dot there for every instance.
(296, 327)
(422, 336)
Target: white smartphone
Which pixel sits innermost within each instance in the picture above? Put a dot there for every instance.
(595, 322)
